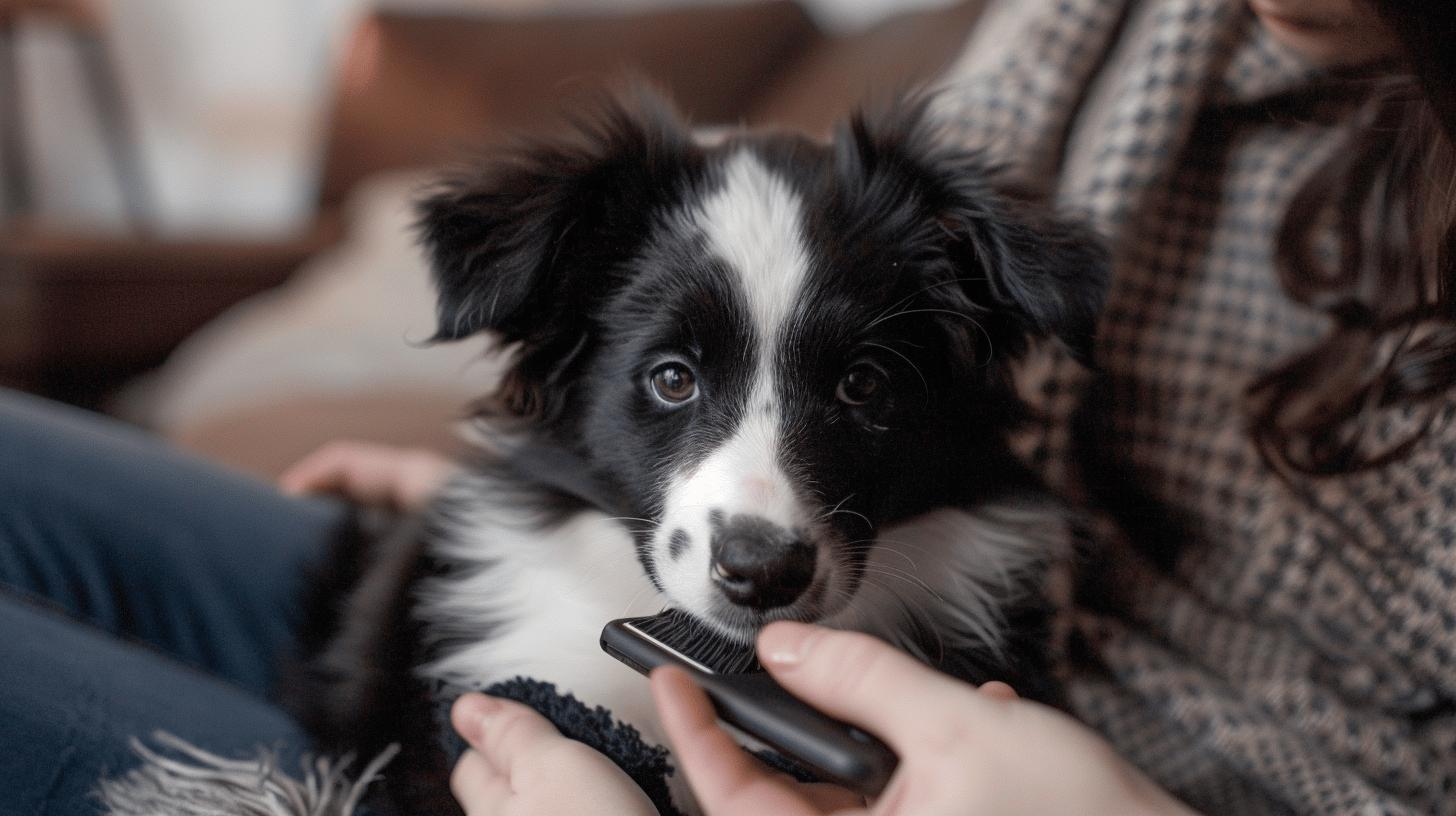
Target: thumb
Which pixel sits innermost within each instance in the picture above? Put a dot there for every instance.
(505, 732)
(865, 681)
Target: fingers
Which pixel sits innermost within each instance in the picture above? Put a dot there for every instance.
(863, 680)
(827, 798)
(340, 466)
(309, 474)
(505, 733)
(367, 473)
(998, 690)
(724, 777)
(476, 785)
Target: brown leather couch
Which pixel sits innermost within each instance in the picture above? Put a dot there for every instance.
(414, 89)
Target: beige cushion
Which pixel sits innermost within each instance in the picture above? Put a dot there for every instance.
(265, 439)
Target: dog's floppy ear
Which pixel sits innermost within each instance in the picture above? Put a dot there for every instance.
(531, 236)
(1025, 271)
(1048, 273)
(527, 244)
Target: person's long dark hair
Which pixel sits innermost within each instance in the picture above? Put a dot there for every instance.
(1390, 195)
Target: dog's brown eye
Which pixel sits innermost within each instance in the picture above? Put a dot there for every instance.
(861, 384)
(674, 383)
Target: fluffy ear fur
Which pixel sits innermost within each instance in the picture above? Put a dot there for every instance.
(1024, 271)
(526, 244)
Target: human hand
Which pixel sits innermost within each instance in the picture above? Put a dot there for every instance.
(962, 750)
(368, 473)
(518, 764)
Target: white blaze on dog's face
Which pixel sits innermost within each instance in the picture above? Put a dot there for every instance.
(760, 352)
(734, 525)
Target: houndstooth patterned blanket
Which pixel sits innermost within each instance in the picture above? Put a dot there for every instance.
(1290, 647)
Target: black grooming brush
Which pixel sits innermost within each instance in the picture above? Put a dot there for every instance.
(748, 699)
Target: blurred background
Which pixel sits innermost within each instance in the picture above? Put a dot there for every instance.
(204, 206)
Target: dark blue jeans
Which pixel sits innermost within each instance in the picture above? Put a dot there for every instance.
(140, 589)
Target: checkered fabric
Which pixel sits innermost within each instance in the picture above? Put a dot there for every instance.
(1294, 648)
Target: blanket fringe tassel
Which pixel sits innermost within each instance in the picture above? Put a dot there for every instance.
(199, 783)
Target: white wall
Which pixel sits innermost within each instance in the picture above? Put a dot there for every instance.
(224, 94)
(227, 97)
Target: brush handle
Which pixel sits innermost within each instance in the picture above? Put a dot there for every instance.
(834, 750)
(753, 703)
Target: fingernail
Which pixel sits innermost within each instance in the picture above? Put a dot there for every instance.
(472, 714)
(786, 644)
(487, 707)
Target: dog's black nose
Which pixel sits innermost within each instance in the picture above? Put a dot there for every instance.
(759, 564)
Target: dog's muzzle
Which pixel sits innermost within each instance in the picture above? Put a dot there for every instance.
(759, 564)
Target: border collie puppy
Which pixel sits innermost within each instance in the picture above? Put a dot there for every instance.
(756, 378)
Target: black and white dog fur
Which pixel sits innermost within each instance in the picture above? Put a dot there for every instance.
(754, 377)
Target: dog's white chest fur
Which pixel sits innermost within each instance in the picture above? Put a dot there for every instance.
(539, 596)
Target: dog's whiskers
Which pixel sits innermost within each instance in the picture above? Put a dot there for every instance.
(897, 542)
(902, 301)
(925, 384)
(870, 547)
(649, 522)
(916, 611)
(633, 600)
(854, 513)
(895, 572)
(990, 349)
(834, 509)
